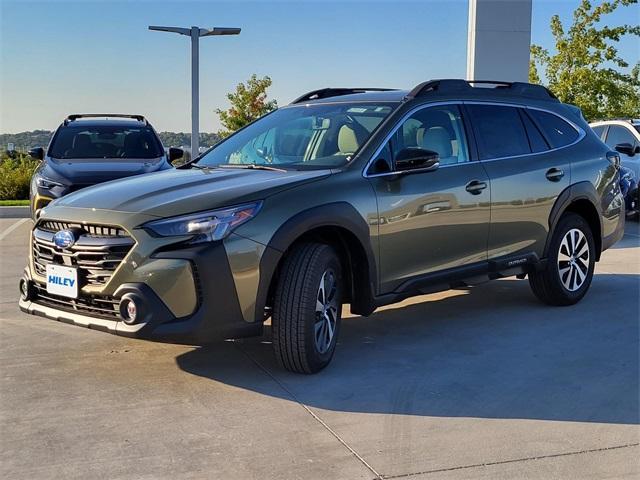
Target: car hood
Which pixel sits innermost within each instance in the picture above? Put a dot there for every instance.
(95, 170)
(180, 191)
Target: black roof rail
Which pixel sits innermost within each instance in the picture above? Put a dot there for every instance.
(444, 85)
(76, 116)
(459, 85)
(335, 92)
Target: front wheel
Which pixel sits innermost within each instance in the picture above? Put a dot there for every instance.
(570, 265)
(307, 308)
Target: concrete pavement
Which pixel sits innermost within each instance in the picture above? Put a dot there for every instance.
(475, 383)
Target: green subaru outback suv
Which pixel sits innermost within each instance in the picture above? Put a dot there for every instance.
(347, 196)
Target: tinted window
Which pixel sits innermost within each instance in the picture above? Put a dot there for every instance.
(536, 140)
(558, 132)
(598, 130)
(500, 132)
(617, 135)
(439, 129)
(105, 141)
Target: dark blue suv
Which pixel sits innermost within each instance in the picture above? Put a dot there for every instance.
(87, 149)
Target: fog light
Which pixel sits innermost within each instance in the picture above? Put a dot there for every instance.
(25, 292)
(132, 310)
(128, 310)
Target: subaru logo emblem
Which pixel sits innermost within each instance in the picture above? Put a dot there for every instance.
(64, 239)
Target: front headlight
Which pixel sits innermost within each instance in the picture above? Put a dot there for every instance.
(204, 226)
(46, 183)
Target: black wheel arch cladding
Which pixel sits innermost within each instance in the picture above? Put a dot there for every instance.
(341, 218)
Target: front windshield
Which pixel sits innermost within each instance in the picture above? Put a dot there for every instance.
(105, 141)
(299, 137)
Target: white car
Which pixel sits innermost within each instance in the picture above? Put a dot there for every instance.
(624, 137)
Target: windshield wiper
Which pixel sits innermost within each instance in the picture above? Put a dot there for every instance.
(195, 165)
(252, 166)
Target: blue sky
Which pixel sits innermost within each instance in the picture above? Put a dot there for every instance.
(61, 57)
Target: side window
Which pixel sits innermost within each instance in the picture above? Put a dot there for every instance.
(439, 129)
(558, 132)
(536, 140)
(617, 135)
(599, 130)
(500, 132)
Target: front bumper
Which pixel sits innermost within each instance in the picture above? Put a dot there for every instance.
(217, 312)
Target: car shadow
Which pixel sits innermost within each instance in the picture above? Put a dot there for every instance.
(491, 351)
(630, 240)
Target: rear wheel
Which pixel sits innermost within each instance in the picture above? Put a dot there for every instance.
(307, 308)
(570, 265)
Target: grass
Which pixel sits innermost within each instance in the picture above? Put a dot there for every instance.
(14, 203)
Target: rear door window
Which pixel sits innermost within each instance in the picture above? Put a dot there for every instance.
(557, 131)
(499, 131)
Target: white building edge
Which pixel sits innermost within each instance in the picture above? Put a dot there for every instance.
(499, 38)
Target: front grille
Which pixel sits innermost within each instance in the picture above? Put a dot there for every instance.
(96, 254)
(104, 307)
(89, 230)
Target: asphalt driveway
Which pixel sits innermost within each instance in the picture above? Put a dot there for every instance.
(476, 383)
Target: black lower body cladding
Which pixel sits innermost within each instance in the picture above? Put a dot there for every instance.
(217, 315)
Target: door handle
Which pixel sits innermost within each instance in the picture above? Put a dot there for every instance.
(554, 174)
(475, 187)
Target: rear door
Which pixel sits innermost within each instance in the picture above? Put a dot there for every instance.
(521, 150)
(434, 220)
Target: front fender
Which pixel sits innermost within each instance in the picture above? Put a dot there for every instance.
(339, 214)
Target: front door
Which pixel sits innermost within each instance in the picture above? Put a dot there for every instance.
(432, 220)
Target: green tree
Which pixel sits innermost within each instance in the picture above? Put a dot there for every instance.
(585, 69)
(15, 175)
(248, 103)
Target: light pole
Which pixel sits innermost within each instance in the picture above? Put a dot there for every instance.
(195, 33)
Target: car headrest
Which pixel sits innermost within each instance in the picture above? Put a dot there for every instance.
(82, 140)
(430, 117)
(436, 139)
(347, 140)
(133, 140)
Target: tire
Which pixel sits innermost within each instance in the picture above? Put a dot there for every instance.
(306, 321)
(569, 270)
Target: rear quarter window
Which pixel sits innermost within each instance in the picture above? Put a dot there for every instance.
(557, 131)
